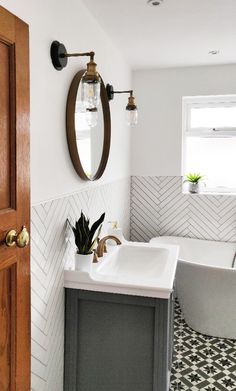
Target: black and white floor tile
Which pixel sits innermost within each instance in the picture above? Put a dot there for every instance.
(200, 362)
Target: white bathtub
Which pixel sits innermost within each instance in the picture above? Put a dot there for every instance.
(206, 284)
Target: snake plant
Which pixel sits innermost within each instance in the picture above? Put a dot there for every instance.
(86, 237)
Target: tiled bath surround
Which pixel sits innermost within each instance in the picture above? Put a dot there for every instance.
(158, 207)
(50, 252)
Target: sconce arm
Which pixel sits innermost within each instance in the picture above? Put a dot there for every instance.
(124, 92)
(88, 54)
(111, 92)
(59, 55)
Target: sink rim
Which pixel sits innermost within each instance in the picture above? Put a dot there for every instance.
(162, 289)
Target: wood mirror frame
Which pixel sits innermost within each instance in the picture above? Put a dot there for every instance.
(71, 133)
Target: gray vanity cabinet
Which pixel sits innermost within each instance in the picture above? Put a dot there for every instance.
(117, 342)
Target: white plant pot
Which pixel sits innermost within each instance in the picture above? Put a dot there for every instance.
(193, 188)
(83, 262)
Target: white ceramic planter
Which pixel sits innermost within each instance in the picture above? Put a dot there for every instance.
(193, 187)
(83, 262)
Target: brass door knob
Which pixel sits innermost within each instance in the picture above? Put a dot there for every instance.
(21, 240)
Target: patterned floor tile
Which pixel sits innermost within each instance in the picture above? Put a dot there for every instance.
(200, 362)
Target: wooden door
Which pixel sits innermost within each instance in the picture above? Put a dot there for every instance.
(14, 204)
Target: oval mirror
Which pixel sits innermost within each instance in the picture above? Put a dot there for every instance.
(88, 145)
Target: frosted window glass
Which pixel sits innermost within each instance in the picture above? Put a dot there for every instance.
(213, 117)
(213, 157)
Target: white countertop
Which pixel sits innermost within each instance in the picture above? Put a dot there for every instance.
(150, 277)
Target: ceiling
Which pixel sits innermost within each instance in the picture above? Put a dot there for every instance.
(177, 33)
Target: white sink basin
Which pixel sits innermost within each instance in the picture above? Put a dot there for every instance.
(131, 268)
(134, 262)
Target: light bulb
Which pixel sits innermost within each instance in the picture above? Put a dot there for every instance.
(132, 117)
(90, 94)
(92, 117)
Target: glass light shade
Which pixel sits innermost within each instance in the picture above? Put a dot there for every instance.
(132, 117)
(92, 117)
(91, 93)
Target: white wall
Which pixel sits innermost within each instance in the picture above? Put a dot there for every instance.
(52, 173)
(53, 177)
(156, 141)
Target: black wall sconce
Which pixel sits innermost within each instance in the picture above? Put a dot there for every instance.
(91, 80)
(131, 108)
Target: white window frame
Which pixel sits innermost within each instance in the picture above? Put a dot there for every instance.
(189, 102)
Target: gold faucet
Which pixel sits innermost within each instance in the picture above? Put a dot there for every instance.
(102, 243)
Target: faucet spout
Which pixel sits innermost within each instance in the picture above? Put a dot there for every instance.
(102, 242)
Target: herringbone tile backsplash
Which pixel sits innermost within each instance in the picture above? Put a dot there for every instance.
(158, 207)
(50, 251)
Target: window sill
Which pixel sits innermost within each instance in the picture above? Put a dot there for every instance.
(206, 193)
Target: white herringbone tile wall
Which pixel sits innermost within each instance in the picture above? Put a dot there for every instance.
(158, 207)
(49, 252)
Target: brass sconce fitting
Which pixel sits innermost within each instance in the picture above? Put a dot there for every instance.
(91, 80)
(131, 108)
(60, 57)
(131, 100)
(131, 103)
(91, 75)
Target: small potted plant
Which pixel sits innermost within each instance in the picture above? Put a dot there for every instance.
(193, 180)
(85, 240)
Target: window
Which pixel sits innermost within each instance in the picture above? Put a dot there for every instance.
(209, 141)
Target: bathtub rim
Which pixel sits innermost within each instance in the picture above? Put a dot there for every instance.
(152, 241)
(207, 266)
